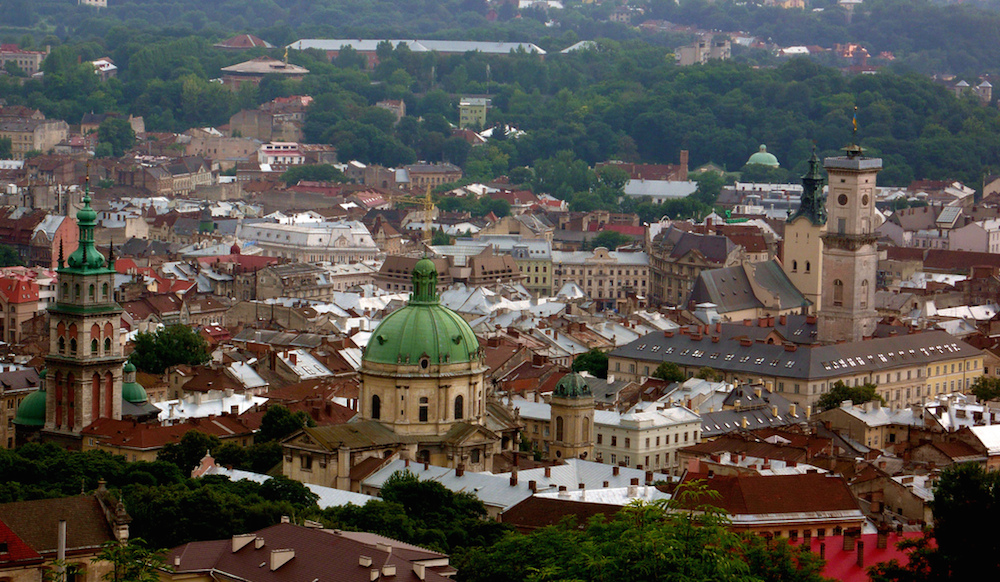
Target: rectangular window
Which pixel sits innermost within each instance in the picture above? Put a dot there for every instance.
(614, 459)
(614, 441)
(600, 438)
(628, 443)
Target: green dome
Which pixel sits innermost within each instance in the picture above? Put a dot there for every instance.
(424, 328)
(763, 158)
(572, 386)
(86, 255)
(32, 410)
(132, 391)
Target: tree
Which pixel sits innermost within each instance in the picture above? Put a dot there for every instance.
(314, 173)
(856, 394)
(710, 374)
(118, 133)
(188, 452)
(609, 239)
(6, 148)
(685, 539)
(669, 372)
(282, 488)
(9, 256)
(595, 362)
(131, 561)
(279, 422)
(966, 496)
(986, 388)
(440, 238)
(177, 344)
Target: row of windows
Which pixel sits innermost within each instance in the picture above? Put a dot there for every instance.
(628, 440)
(459, 408)
(91, 292)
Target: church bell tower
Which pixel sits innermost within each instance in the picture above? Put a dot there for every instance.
(84, 379)
(850, 259)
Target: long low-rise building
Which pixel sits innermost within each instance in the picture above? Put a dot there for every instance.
(906, 368)
(312, 242)
(606, 276)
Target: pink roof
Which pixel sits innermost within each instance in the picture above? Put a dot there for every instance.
(843, 565)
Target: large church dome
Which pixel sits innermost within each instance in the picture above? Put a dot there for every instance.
(424, 332)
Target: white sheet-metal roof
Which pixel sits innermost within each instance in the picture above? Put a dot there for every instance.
(493, 490)
(305, 366)
(610, 496)
(989, 436)
(196, 407)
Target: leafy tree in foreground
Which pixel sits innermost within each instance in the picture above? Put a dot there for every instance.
(279, 422)
(187, 453)
(595, 362)
(170, 346)
(685, 539)
(856, 394)
(131, 562)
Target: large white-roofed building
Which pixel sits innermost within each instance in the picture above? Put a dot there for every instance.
(333, 242)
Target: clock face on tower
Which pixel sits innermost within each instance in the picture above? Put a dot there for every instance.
(842, 199)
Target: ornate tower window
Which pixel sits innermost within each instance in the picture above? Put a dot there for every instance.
(423, 409)
(376, 407)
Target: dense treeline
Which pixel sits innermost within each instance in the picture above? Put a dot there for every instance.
(623, 100)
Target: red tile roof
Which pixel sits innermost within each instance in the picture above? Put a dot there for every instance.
(779, 494)
(18, 553)
(140, 436)
(16, 290)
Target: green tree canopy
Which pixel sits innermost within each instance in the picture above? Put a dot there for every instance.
(669, 372)
(176, 344)
(188, 452)
(840, 392)
(9, 256)
(313, 173)
(131, 561)
(609, 239)
(986, 388)
(279, 422)
(594, 362)
(118, 134)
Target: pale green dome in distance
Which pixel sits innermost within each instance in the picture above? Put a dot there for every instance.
(763, 158)
(572, 386)
(424, 332)
(132, 391)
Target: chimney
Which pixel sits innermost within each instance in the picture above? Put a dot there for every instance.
(791, 347)
(634, 481)
(649, 477)
(548, 472)
(668, 333)
(718, 327)
(614, 470)
(373, 575)
(848, 540)
(281, 557)
(258, 543)
(606, 484)
(533, 486)
(682, 173)
(365, 561)
(762, 322)
(746, 342)
(460, 470)
(861, 554)
(513, 478)
(61, 545)
(389, 570)
(419, 570)
(792, 409)
(748, 322)
(882, 541)
(241, 540)
(406, 462)
(811, 319)
(783, 320)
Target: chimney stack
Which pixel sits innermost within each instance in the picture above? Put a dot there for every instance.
(614, 470)
(861, 554)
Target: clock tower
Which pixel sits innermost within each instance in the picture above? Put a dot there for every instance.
(850, 259)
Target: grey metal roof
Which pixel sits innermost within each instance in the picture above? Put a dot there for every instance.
(805, 361)
(730, 288)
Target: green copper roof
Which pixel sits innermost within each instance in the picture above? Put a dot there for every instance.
(424, 328)
(572, 386)
(32, 410)
(132, 391)
(85, 257)
(813, 205)
(763, 158)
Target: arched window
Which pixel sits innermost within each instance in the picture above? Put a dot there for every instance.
(838, 292)
(423, 409)
(107, 346)
(459, 407)
(474, 456)
(795, 266)
(104, 291)
(559, 429)
(376, 407)
(93, 347)
(72, 345)
(92, 292)
(863, 300)
(807, 266)
(95, 397)
(109, 394)
(586, 429)
(65, 291)
(62, 345)
(76, 291)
